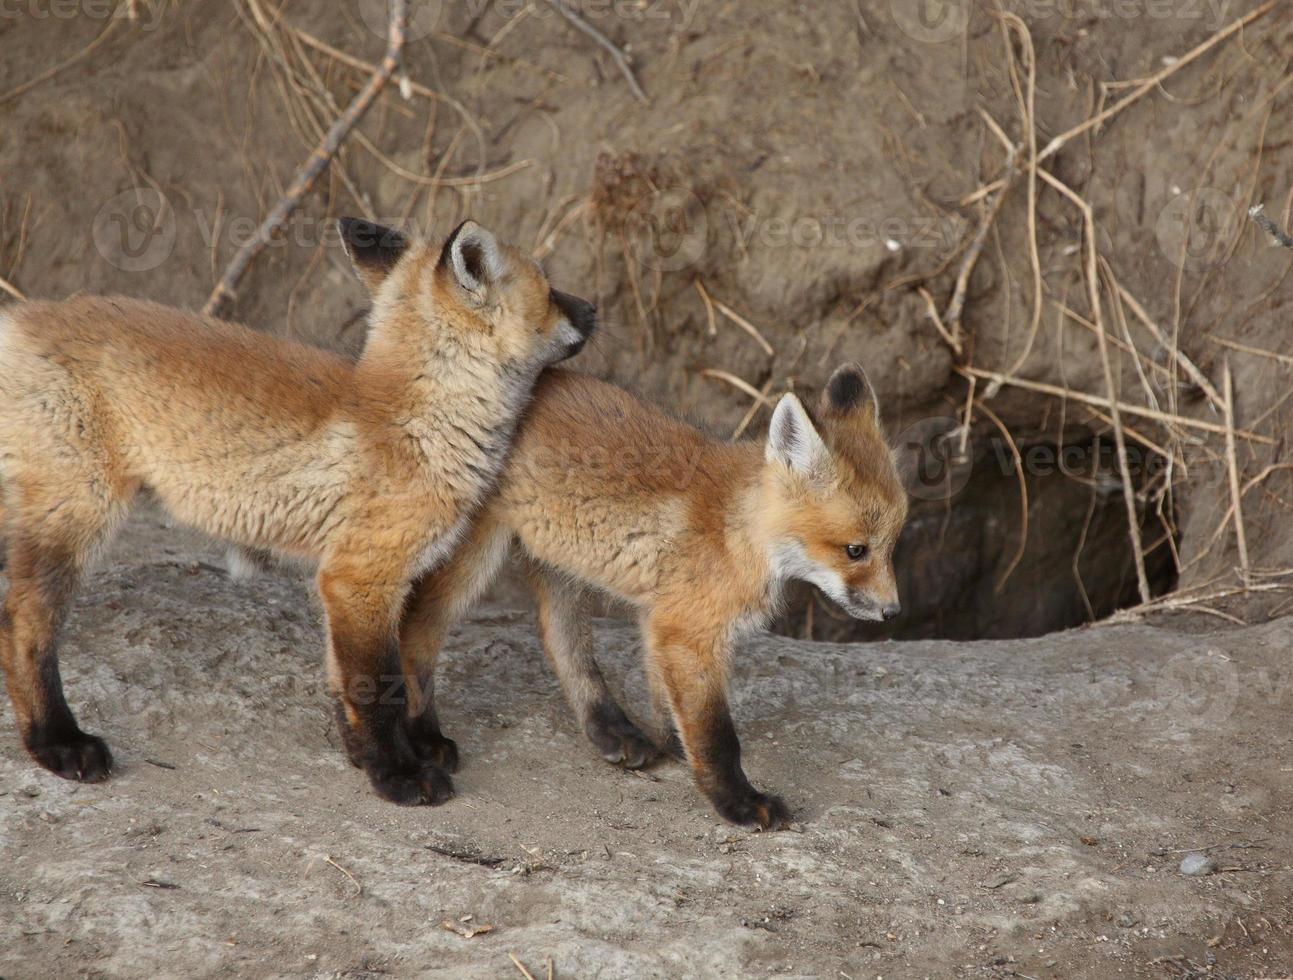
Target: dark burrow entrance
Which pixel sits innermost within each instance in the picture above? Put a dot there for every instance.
(969, 568)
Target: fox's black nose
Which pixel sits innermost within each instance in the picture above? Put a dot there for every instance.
(581, 313)
(891, 611)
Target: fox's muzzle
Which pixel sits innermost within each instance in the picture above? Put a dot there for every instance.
(581, 314)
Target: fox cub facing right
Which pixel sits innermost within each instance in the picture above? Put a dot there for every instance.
(373, 469)
(602, 490)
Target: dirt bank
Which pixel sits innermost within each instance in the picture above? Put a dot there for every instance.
(968, 810)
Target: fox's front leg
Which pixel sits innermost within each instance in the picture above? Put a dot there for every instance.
(692, 664)
(364, 673)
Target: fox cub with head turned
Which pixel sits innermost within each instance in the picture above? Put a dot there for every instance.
(371, 469)
(603, 491)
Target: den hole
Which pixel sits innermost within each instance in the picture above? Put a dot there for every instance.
(969, 569)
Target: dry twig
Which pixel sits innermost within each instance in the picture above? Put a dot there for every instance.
(744, 324)
(621, 62)
(1232, 466)
(996, 377)
(11, 289)
(1258, 213)
(709, 307)
(359, 889)
(738, 383)
(1153, 81)
(1142, 87)
(521, 966)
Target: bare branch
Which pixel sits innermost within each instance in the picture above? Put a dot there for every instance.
(225, 292)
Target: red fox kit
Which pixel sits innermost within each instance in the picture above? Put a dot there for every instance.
(603, 491)
(371, 469)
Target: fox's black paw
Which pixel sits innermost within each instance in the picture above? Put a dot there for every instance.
(673, 748)
(423, 785)
(619, 740)
(431, 746)
(78, 756)
(759, 810)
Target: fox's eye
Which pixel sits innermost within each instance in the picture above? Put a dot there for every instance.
(856, 552)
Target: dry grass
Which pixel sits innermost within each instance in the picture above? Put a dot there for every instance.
(1111, 311)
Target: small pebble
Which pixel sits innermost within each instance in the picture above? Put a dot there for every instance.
(1197, 865)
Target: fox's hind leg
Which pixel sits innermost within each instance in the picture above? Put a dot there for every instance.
(51, 535)
(565, 623)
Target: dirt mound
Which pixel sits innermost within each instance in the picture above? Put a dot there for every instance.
(987, 809)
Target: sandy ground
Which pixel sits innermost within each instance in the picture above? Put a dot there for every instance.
(981, 809)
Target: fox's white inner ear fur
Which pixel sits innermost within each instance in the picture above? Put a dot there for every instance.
(474, 257)
(793, 440)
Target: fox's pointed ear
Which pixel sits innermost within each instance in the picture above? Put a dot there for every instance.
(793, 440)
(849, 391)
(373, 249)
(472, 255)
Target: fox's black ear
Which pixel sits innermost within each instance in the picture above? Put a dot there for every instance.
(374, 249)
(848, 391)
(472, 255)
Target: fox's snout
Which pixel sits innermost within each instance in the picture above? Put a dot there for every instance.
(580, 314)
(867, 607)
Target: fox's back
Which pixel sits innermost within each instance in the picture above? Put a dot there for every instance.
(193, 407)
(605, 486)
(169, 353)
